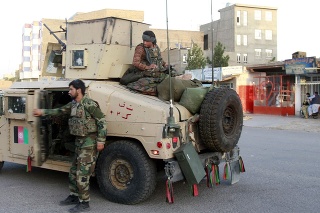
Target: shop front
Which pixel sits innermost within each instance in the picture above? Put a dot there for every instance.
(274, 95)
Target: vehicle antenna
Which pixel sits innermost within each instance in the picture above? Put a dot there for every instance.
(168, 49)
(173, 129)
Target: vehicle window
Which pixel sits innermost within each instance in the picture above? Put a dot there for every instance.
(16, 104)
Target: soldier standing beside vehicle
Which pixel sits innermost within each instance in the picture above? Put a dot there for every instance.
(88, 124)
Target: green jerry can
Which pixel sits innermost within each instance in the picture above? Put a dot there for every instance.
(190, 163)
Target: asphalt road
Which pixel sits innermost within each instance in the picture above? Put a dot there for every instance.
(282, 175)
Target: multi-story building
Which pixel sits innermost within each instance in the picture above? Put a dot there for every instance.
(248, 32)
(35, 39)
(30, 51)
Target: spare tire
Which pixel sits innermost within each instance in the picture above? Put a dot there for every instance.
(221, 119)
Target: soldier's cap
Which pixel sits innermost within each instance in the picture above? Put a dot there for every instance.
(149, 36)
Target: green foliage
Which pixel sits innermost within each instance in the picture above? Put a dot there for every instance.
(218, 59)
(195, 58)
(273, 59)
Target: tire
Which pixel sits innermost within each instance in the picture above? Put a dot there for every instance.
(125, 173)
(1, 164)
(221, 120)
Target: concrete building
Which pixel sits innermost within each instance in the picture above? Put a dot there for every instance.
(299, 54)
(134, 15)
(35, 38)
(248, 32)
(177, 58)
(31, 40)
(179, 43)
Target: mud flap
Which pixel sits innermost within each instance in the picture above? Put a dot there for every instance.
(233, 156)
(235, 171)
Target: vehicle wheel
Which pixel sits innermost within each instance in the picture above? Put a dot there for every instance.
(125, 173)
(1, 164)
(221, 119)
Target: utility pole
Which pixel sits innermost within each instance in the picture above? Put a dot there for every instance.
(212, 46)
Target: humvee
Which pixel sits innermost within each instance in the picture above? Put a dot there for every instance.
(146, 136)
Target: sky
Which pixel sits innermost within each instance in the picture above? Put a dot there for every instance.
(297, 20)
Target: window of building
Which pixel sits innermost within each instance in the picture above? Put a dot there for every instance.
(226, 85)
(245, 18)
(184, 58)
(268, 53)
(238, 39)
(268, 16)
(257, 15)
(257, 53)
(238, 58)
(26, 48)
(245, 40)
(245, 58)
(205, 42)
(238, 17)
(257, 34)
(268, 34)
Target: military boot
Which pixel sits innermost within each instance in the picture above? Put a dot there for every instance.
(80, 207)
(70, 200)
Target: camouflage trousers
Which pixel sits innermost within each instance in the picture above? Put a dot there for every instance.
(146, 86)
(82, 168)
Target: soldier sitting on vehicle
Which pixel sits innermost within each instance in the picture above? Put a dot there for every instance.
(150, 70)
(149, 67)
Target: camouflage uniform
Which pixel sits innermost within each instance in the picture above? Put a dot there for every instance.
(88, 124)
(142, 58)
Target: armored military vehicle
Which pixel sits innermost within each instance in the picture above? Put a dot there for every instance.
(145, 135)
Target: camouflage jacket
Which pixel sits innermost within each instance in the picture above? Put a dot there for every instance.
(143, 57)
(88, 109)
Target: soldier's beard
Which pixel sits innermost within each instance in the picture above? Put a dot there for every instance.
(74, 96)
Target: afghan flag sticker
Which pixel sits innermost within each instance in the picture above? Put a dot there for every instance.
(21, 135)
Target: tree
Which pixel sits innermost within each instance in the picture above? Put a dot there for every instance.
(218, 59)
(195, 58)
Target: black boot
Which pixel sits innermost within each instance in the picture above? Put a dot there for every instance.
(80, 207)
(70, 200)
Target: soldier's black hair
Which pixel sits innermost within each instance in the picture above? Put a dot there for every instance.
(78, 84)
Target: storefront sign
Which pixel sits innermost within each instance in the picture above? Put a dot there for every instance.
(301, 65)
